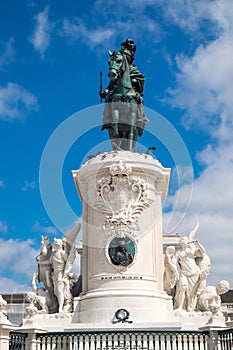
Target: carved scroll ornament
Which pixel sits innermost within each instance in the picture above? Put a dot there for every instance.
(123, 197)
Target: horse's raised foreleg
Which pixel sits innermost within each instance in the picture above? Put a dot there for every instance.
(115, 119)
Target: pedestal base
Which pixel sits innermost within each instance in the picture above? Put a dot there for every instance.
(122, 255)
(140, 307)
(150, 320)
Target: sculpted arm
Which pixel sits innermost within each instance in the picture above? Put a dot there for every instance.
(199, 247)
(138, 79)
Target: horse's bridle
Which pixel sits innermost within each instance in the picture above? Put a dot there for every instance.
(118, 71)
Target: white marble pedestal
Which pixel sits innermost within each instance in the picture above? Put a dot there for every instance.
(122, 257)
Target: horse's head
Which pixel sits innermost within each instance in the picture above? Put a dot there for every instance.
(45, 240)
(119, 70)
(45, 245)
(115, 63)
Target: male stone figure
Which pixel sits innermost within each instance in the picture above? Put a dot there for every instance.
(185, 276)
(58, 260)
(209, 300)
(39, 301)
(54, 269)
(62, 260)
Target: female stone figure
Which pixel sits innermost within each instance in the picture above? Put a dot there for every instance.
(189, 273)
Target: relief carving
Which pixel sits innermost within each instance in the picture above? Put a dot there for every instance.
(123, 197)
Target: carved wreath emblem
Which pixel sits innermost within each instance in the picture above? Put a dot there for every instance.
(123, 197)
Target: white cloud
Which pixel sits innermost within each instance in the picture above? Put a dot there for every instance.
(111, 4)
(204, 91)
(17, 260)
(8, 285)
(2, 183)
(188, 14)
(120, 19)
(41, 35)
(8, 54)
(78, 30)
(16, 102)
(204, 86)
(204, 81)
(211, 16)
(222, 12)
(31, 3)
(211, 205)
(3, 227)
(29, 185)
(37, 227)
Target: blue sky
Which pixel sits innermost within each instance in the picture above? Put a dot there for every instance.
(51, 53)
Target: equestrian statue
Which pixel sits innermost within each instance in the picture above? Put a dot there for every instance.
(123, 115)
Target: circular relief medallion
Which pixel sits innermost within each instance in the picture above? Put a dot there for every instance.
(121, 251)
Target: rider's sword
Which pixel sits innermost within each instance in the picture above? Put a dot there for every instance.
(101, 86)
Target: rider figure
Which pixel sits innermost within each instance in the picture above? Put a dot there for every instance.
(124, 100)
(128, 48)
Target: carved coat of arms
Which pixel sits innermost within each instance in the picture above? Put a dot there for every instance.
(123, 197)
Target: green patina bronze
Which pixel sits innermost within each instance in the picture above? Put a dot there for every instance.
(121, 251)
(124, 106)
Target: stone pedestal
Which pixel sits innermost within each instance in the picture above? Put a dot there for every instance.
(122, 258)
(5, 328)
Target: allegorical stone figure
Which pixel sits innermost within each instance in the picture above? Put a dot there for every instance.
(185, 272)
(189, 273)
(171, 273)
(209, 300)
(3, 312)
(62, 260)
(38, 301)
(124, 111)
(54, 271)
(204, 264)
(58, 261)
(44, 265)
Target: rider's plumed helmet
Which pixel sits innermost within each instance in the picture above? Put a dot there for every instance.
(128, 47)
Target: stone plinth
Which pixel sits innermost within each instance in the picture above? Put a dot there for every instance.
(122, 258)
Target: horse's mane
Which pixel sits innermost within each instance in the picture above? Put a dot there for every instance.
(125, 78)
(126, 82)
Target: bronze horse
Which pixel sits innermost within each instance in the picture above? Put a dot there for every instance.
(124, 113)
